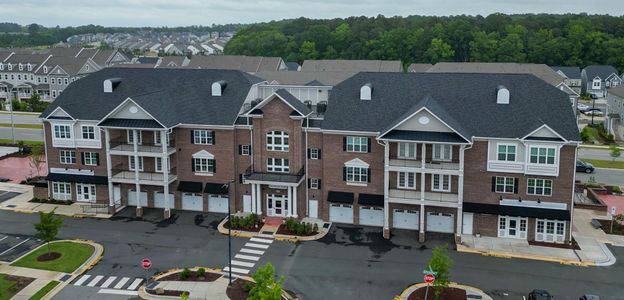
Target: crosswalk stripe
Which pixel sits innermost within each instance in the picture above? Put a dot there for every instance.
(251, 251)
(108, 282)
(243, 264)
(268, 236)
(95, 280)
(122, 282)
(82, 279)
(252, 245)
(118, 292)
(135, 284)
(236, 270)
(247, 257)
(257, 240)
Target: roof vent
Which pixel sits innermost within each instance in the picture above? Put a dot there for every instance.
(502, 95)
(308, 103)
(218, 87)
(110, 84)
(366, 92)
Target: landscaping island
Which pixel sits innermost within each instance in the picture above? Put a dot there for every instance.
(63, 257)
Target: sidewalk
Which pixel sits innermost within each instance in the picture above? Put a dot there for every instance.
(197, 290)
(323, 230)
(471, 292)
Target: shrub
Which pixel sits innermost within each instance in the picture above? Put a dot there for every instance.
(617, 190)
(201, 272)
(234, 222)
(315, 228)
(185, 274)
(291, 224)
(585, 135)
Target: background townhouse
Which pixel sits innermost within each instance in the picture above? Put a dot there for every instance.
(598, 78)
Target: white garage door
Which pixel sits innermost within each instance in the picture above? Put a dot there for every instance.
(132, 198)
(218, 203)
(341, 213)
(406, 219)
(371, 215)
(192, 202)
(440, 222)
(159, 200)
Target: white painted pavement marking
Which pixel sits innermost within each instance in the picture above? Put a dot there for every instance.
(243, 264)
(252, 245)
(82, 279)
(108, 282)
(118, 292)
(251, 251)
(268, 236)
(135, 284)
(95, 280)
(236, 270)
(26, 240)
(121, 283)
(257, 240)
(2, 239)
(247, 257)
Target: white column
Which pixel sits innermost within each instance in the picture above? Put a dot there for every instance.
(253, 198)
(165, 167)
(259, 199)
(423, 153)
(135, 143)
(294, 202)
(109, 171)
(289, 211)
(386, 186)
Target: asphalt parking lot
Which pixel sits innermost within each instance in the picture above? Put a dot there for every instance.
(6, 195)
(14, 246)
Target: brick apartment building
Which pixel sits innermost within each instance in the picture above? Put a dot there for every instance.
(489, 154)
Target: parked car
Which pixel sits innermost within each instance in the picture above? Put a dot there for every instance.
(540, 295)
(593, 96)
(582, 107)
(582, 166)
(593, 111)
(589, 297)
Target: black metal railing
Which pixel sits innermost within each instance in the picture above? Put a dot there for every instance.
(274, 177)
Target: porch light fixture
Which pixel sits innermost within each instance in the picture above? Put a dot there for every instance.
(538, 200)
(519, 199)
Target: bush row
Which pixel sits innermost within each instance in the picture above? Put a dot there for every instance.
(301, 228)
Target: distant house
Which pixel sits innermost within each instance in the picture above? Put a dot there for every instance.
(172, 62)
(353, 66)
(293, 66)
(418, 68)
(251, 64)
(571, 77)
(615, 120)
(598, 78)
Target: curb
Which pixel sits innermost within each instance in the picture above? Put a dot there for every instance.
(501, 254)
(278, 237)
(75, 215)
(408, 290)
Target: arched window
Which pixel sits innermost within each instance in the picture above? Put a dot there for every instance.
(277, 141)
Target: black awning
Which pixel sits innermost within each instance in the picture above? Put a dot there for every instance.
(216, 188)
(517, 211)
(190, 187)
(371, 199)
(340, 197)
(77, 178)
(130, 123)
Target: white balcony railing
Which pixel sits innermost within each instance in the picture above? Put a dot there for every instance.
(144, 177)
(435, 165)
(413, 197)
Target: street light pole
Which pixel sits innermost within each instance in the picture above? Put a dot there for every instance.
(228, 185)
(593, 107)
(10, 103)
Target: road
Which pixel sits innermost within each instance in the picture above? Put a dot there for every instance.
(605, 176)
(349, 263)
(19, 119)
(597, 154)
(22, 134)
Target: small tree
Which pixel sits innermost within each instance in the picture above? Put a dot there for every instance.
(48, 227)
(266, 287)
(615, 152)
(36, 159)
(440, 263)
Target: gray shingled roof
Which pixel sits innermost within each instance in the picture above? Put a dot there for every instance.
(352, 66)
(302, 78)
(469, 99)
(602, 71)
(293, 101)
(172, 96)
(236, 62)
(541, 71)
(570, 72)
(419, 67)
(618, 91)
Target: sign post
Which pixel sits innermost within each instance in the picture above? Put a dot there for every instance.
(613, 213)
(146, 264)
(429, 278)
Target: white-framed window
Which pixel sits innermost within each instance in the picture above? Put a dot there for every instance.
(85, 192)
(203, 165)
(66, 81)
(86, 67)
(88, 132)
(61, 190)
(157, 138)
(550, 230)
(53, 94)
(38, 79)
(1, 66)
(407, 151)
(62, 131)
(130, 136)
(53, 80)
(442, 152)
(245, 149)
(542, 155)
(504, 184)
(45, 79)
(277, 141)
(406, 180)
(19, 76)
(440, 183)
(357, 144)
(279, 165)
(314, 183)
(506, 152)
(45, 69)
(90, 158)
(202, 137)
(132, 165)
(314, 153)
(356, 174)
(67, 156)
(512, 227)
(20, 66)
(29, 67)
(538, 186)
(10, 66)
(596, 84)
(32, 77)
(158, 164)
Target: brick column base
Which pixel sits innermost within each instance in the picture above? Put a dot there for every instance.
(111, 209)
(139, 212)
(386, 233)
(167, 214)
(458, 239)
(421, 236)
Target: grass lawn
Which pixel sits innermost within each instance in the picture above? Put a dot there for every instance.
(5, 288)
(72, 256)
(29, 143)
(27, 126)
(44, 291)
(599, 163)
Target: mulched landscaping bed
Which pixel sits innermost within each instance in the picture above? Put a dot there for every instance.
(237, 290)
(51, 201)
(20, 282)
(208, 277)
(573, 246)
(617, 228)
(48, 256)
(448, 293)
(251, 229)
(165, 293)
(282, 229)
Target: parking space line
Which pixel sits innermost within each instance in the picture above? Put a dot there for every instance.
(2, 239)
(26, 240)
(135, 284)
(122, 282)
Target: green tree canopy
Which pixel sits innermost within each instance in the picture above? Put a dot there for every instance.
(439, 51)
(266, 287)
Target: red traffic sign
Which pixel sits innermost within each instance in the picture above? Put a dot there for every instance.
(146, 263)
(429, 278)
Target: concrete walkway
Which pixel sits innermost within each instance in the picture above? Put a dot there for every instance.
(197, 290)
(471, 292)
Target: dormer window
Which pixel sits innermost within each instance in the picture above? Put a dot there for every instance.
(366, 92)
(1, 66)
(596, 83)
(45, 69)
(29, 67)
(21, 68)
(10, 67)
(87, 68)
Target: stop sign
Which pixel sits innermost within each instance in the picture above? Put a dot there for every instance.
(146, 263)
(429, 278)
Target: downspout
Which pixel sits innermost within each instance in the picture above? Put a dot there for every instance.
(573, 190)
(305, 130)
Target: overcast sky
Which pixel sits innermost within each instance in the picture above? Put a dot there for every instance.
(207, 12)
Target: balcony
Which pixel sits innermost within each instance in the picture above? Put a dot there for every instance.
(397, 164)
(24, 95)
(145, 149)
(431, 198)
(149, 178)
(274, 178)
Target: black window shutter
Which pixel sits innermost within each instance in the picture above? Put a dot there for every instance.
(97, 159)
(344, 173)
(214, 166)
(319, 153)
(344, 143)
(240, 178)
(192, 136)
(82, 158)
(319, 184)
(516, 181)
(493, 183)
(250, 150)
(193, 164)
(214, 141)
(309, 182)
(369, 175)
(240, 149)
(309, 150)
(369, 145)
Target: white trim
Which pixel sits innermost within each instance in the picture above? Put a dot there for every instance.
(269, 99)
(413, 114)
(116, 109)
(406, 186)
(507, 144)
(352, 133)
(131, 166)
(441, 183)
(203, 154)
(441, 152)
(534, 204)
(57, 108)
(547, 127)
(357, 163)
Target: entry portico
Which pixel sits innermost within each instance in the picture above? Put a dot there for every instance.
(279, 191)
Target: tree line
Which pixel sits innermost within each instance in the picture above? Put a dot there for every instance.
(569, 39)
